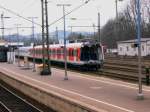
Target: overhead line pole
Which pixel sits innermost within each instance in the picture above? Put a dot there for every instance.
(45, 30)
(43, 36)
(47, 38)
(2, 22)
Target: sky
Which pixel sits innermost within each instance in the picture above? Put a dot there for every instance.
(85, 16)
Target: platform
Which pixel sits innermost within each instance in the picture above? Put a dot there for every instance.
(103, 94)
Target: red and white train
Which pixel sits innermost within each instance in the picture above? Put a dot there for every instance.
(83, 54)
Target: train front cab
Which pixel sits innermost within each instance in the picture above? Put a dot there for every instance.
(91, 56)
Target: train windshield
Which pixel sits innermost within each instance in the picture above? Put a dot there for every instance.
(90, 53)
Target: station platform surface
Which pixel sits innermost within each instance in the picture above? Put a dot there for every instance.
(100, 92)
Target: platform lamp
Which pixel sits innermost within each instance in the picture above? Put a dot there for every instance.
(33, 27)
(10, 61)
(65, 50)
(140, 95)
(18, 42)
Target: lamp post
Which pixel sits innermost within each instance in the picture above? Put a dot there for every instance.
(18, 40)
(34, 70)
(10, 48)
(138, 21)
(65, 50)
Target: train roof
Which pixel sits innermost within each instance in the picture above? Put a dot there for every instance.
(25, 48)
(72, 45)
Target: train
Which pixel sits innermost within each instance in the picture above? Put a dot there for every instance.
(82, 54)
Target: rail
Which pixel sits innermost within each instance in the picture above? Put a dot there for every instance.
(10, 102)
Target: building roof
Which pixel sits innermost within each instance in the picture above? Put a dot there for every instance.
(134, 40)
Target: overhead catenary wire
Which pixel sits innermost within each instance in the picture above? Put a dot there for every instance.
(31, 4)
(10, 11)
(76, 8)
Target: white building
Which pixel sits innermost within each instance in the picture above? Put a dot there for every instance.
(126, 47)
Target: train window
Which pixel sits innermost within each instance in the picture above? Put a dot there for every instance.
(89, 53)
(71, 52)
(58, 51)
(40, 51)
(85, 53)
(74, 52)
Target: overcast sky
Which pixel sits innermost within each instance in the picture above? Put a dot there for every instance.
(86, 15)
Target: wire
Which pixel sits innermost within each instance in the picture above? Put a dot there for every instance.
(70, 12)
(32, 3)
(10, 11)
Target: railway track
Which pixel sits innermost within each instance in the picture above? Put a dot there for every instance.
(10, 102)
(3, 108)
(124, 68)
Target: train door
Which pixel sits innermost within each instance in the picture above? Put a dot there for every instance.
(78, 54)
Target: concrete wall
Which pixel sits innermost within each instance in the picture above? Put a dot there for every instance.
(53, 100)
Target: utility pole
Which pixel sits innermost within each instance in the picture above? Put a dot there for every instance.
(43, 36)
(34, 70)
(46, 71)
(47, 38)
(65, 50)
